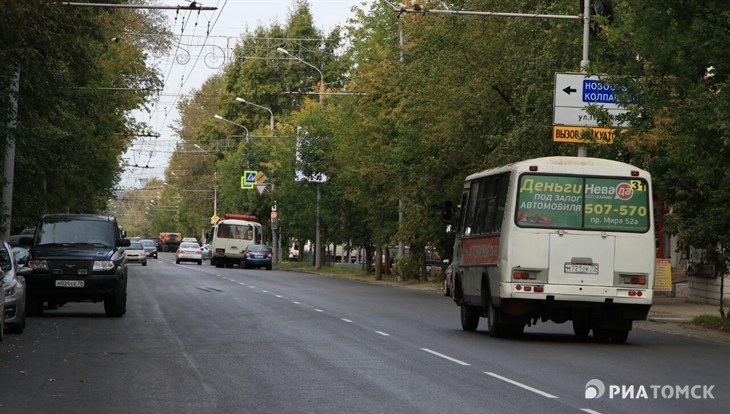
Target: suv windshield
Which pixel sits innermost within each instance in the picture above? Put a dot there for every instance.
(76, 232)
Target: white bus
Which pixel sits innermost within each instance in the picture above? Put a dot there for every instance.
(230, 237)
(555, 238)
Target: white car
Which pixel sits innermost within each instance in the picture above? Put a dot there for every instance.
(189, 252)
(136, 253)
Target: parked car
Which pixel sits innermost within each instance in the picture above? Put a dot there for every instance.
(256, 255)
(206, 251)
(136, 253)
(150, 247)
(13, 285)
(77, 258)
(189, 252)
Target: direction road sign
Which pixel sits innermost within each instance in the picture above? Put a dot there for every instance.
(575, 91)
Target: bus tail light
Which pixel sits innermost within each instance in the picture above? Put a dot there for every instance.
(523, 275)
(635, 280)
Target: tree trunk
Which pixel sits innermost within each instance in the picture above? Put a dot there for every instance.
(378, 262)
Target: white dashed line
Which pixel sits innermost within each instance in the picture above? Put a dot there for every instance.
(295, 302)
(589, 411)
(279, 296)
(345, 320)
(382, 333)
(319, 310)
(521, 385)
(446, 357)
(265, 291)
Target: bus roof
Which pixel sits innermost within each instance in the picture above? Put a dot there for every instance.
(574, 165)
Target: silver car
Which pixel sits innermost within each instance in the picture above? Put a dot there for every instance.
(189, 252)
(13, 286)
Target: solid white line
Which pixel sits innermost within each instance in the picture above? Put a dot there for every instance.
(521, 385)
(319, 310)
(382, 333)
(446, 357)
(589, 411)
(346, 320)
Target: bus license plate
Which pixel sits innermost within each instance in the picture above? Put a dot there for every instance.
(70, 283)
(582, 269)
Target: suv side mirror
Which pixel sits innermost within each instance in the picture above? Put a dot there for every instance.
(26, 241)
(123, 243)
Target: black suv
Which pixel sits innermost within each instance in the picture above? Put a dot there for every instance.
(77, 258)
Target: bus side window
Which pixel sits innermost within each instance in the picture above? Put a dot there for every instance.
(501, 187)
(484, 206)
(471, 210)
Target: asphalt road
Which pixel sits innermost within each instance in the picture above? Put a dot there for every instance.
(197, 339)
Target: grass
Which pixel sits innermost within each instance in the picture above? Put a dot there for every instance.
(713, 322)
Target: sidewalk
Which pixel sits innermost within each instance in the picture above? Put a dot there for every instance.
(673, 316)
(678, 309)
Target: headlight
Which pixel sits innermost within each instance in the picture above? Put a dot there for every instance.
(10, 290)
(103, 265)
(38, 264)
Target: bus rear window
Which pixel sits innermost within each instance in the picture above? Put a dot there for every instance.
(584, 203)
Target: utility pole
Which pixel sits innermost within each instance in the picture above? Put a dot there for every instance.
(9, 162)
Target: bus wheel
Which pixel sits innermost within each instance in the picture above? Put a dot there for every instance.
(601, 335)
(494, 321)
(619, 336)
(469, 318)
(581, 328)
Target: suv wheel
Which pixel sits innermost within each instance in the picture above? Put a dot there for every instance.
(116, 306)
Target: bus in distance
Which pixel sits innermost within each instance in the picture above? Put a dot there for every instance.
(555, 239)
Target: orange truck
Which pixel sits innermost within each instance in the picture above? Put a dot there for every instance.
(170, 241)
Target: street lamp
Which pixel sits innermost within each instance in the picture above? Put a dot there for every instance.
(231, 122)
(321, 77)
(262, 107)
(317, 241)
(215, 181)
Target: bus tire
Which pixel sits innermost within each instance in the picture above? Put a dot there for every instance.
(581, 329)
(495, 325)
(602, 335)
(469, 318)
(619, 336)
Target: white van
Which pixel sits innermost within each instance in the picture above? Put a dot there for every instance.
(230, 237)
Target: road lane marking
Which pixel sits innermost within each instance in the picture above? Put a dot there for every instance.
(319, 310)
(521, 385)
(295, 302)
(279, 296)
(382, 333)
(589, 411)
(265, 291)
(345, 320)
(446, 357)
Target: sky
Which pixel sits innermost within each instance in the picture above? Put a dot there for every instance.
(198, 57)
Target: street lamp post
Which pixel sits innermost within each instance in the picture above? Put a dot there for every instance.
(321, 77)
(215, 181)
(317, 241)
(262, 107)
(234, 123)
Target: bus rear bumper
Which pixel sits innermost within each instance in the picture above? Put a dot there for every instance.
(570, 302)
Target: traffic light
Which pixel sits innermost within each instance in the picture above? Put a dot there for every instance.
(603, 8)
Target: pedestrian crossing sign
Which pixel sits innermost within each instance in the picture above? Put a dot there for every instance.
(248, 180)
